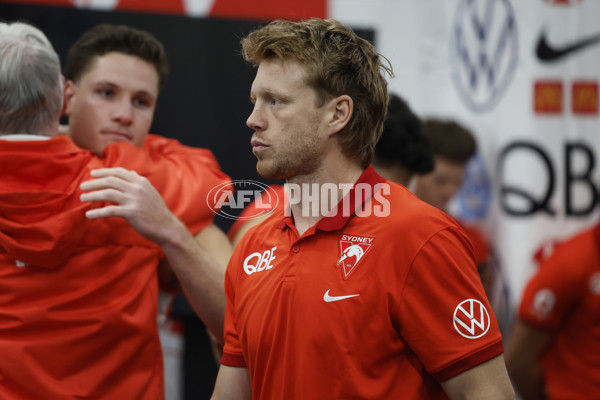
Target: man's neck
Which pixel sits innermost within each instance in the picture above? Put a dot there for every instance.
(314, 196)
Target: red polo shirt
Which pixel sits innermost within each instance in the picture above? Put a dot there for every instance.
(376, 307)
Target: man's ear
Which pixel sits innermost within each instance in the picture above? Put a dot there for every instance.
(69, 93)
(341, 109)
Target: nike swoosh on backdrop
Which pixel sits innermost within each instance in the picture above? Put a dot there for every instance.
(329, 299)
(545, 52)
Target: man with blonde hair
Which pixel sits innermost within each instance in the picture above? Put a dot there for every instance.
(374, 296)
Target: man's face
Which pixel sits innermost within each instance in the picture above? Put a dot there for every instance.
(113, 102)
(289, 130)
(438, 187)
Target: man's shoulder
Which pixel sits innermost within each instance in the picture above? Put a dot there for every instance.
(581, 252)
(264, 233)
(166, 145)
(274, 220)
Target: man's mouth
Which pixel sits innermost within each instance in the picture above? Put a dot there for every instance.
(257, 146)
(119, 135)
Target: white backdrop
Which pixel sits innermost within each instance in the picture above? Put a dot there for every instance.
(535, 116)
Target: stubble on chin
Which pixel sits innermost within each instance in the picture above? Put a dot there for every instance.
(269, 172)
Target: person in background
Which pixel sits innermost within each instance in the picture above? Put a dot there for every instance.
(79, 297)
(553, 349)
(453, 145)
(404, 149)
(114, 75)
(327, 300)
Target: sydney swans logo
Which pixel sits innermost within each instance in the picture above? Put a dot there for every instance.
(352, 250)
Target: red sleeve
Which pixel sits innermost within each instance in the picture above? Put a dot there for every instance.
(183, 175)
(232, 350)
(479, 242)
(445, 316)
(554, 289)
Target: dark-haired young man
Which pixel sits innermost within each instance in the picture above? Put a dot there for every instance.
(113, 78)
(114, 75)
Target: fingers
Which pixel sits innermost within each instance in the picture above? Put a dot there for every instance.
(130, 196)
(110, 195)
(110, 177)
(104, 212)
(117, 171)
(113, 185)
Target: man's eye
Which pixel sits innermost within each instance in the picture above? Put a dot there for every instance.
(141, 102)
(275, 102)
(105, 92)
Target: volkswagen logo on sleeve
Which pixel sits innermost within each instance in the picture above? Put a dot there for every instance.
(471, 319)
(484, 51)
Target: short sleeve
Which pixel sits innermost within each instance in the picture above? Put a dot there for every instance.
(445, 316)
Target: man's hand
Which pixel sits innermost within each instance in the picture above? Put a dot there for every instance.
(137, 201)
(134, 199)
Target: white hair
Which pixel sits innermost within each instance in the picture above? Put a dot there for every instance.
(31, 90)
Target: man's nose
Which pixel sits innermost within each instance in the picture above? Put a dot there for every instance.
(256, 120)
(123, 112)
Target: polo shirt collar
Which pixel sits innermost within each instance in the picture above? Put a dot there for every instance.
(336, 219)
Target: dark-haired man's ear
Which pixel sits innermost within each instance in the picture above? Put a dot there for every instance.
(69, 92)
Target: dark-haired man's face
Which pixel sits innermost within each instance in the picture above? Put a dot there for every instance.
(113, 102)
(439, 186)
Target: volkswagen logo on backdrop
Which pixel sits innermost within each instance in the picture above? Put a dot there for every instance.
(484, 51)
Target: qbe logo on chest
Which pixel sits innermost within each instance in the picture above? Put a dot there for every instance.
(471, 319)
(257, 262)
(352, 250)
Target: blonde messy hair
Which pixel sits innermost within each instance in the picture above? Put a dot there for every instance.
(337, 62)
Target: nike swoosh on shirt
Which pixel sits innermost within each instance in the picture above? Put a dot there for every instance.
(329, 299)
(545, 52)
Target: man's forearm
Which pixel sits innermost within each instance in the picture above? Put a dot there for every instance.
(201, 277)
